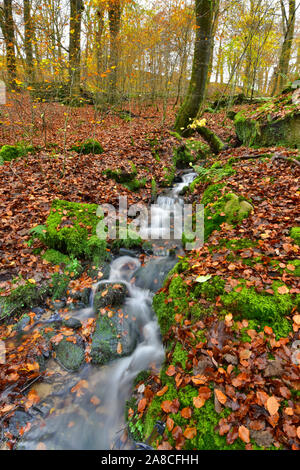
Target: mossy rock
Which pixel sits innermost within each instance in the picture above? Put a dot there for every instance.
(87, 147)
(127, 178)
(295, 234)
(268, 133)
(190, 152)
(110, 294)
(69, 355)
(267, 309)
(25, 296)
(227, 208)
(71, 229)
(11, 152)
(56, 257)
(113, 338)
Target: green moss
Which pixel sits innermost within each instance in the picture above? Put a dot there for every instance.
(71, 229)
(70, 355)
(169, 175)
(87, 147)
(27, 295)
(265, 308)
(56, 257)
(167, 306)
(266, 132)
(211, 193)
(59, 285)
(228, 208)
(210, 289)
(295, 234)
(126, 178)
(189, 152)
(296, 271)
(246, 130)
(11, 152)
(215, 173)
(180, 355)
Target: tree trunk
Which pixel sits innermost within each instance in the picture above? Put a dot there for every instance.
(114, 15)
(28, 38)
(99, 33)
(74, 47)
(280, 75)
(7, 26)
(195, 95)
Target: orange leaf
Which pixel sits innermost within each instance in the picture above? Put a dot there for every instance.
(221, 396)
(161, 392)
(199, 402)
(190, 433)
(171, 371)
(272, 405)
(186, 413)
(142, 405)
(244, 434)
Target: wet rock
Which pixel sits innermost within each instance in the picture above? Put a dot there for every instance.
(70, 355)
(73, 323)
(113, 338)
(110, 294)
(22, 323)
(152, 275)
(82, 296)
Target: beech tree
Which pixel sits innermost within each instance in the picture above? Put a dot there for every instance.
(204, 10)
(28, 38)
(76, 8)
(288, 27)
(8, 29)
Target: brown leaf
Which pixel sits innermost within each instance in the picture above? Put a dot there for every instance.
(186, 413)
(220, 396)
(272, 405)
(244, 434)
(190, 433)
(161, 392)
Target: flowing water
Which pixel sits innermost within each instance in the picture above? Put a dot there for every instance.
(93, 417)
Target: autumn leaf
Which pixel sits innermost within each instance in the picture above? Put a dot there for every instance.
(161, 392)
(78, 388)
(190, 433)
(244, 434)
(272, 405)
(186, 413)
(283, 290)
(220, 396)
(142, 405)
(95, 400)
(171, 370)
(199, 402)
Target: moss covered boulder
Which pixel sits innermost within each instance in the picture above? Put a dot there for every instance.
(113, 337)
(268, 132)
(25, 296)
(126, 177)
(190, 152)
(71, 229)
(69, 355)
(11, 152)
(220, 208)
(89, 146)
(110, 294)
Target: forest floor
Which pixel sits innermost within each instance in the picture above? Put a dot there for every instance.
(264, 407)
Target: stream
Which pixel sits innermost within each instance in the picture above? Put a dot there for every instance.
(92, 417)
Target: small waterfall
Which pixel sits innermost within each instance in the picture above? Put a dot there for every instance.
(111, 383)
